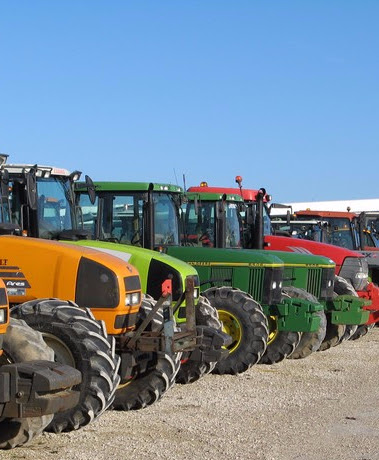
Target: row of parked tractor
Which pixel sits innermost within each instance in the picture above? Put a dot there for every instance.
(112, 292)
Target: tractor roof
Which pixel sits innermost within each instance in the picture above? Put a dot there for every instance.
(134, 186)
(247, 194)
(41, 170)
(206, 196)
(337, 214)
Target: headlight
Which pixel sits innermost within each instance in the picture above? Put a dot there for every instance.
(3, 315)
(196, 293)
(327, 284)
(272, 286)
(355, 270)
(132, 299)
(96, 285)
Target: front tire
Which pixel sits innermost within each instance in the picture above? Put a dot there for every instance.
(280, 345)
(21, 344)
(80, 341)
(361, 331)
(191, 371)
(244, 320)
(158, 373)
(309, 341)
(343, 287)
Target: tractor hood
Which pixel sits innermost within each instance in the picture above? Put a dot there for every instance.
(240, 257)
(152, 266)
(300, 246)
(303, 260)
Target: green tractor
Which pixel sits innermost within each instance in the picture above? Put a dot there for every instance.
(241, 285)
(343, 309)
(42, 203)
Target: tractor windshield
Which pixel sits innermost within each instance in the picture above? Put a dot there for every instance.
(200, 224)
(311, 230)
(55, 205)
(337, 232)
(166, 221)
(123, 214)
(233, 227)
(267, 230)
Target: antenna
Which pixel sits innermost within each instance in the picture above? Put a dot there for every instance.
(184, 182)
(176, 179)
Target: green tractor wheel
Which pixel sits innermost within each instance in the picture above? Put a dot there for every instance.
(243, 319)
(280, 345)
(309, 341)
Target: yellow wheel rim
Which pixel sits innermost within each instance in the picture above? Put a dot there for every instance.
(125, 384)
(232, 327)
(272, 329)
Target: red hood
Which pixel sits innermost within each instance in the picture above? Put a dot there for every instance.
(285, 243)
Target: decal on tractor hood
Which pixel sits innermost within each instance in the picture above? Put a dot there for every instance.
(299, 250)
(14, 280)
(121, 255)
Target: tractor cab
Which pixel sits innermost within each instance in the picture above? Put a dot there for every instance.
(40, 200)
(139, 214)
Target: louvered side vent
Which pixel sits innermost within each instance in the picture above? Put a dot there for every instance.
(256, 283)
(314, 281)
(222, 276)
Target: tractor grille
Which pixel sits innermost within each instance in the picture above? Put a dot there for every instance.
(314, 281)
(222, 277)
(256, 283)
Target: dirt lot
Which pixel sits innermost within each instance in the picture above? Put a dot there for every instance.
(323, 407)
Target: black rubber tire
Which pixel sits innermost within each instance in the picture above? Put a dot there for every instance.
(148, 386)
(343, 287)
(21, 344)
(334, 334)
(191, 371)
(282, 345)
(249, 319)
(361, 331)
(309, 341)
(81, 341)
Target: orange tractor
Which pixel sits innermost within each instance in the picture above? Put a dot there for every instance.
(32, 387)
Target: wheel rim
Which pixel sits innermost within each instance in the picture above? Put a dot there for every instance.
(232, 327)
(62, 354)
(272, 329)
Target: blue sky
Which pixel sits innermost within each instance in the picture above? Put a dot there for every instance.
(284, 93)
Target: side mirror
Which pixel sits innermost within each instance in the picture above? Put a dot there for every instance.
(5, 184)
(196, 204)
(31, 188)
(91, 189)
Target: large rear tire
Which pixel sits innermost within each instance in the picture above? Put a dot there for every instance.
(80, 341)
(309, 341)
(155, 374)
(243, 319)
(21, 344)
(191, 371)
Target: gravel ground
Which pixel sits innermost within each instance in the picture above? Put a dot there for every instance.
(322, 407)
